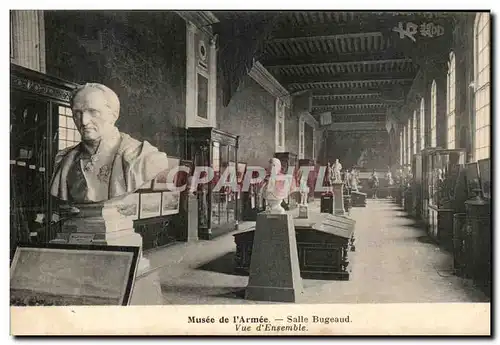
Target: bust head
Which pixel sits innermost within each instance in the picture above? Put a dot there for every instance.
(95, 110)
(274, 166)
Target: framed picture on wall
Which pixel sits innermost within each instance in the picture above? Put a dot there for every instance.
(161, 182)
(150, 205)
(170, 203)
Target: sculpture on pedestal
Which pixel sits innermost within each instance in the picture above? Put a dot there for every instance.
(304, 190)
(337, 168)
(107, 163)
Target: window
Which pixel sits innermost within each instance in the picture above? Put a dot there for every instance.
(401, 145)
(482, 86)
(415, 132)
(301, 138)
(433, 114)
(450, 103)
(408, 142)
(422, 124)
(280, 126)
(68, 134)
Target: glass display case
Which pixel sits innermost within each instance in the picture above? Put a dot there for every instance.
(426, 184)
(444, 171)
(37, 102)
(485, 177)
(217, 208)
(416, 166)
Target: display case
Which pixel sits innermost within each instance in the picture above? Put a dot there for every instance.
(289, 160)
(485, 177)
(37, 102)
(426, 184)
(444, 171)
(416, 203)
(217, 208)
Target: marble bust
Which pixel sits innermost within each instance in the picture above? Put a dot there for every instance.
(106, 164)
(274, 189)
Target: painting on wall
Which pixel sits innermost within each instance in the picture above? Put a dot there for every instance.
(150, 205)
(64, 275)
(170, 203)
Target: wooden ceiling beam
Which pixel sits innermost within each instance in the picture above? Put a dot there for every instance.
(345, 77)
(342, 63)
(321, 103)
(351, 58)
(394, 91)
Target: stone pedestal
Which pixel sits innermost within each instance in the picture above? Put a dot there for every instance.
(303, 211)
(102, 224)
(338, 195)
(274, 267)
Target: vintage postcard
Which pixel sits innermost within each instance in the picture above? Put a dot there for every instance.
(333, 172)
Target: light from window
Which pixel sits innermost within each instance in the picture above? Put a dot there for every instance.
(401, 151)
(68, 134)
(482, 86)
(408, 141)
(422, 124)
(415, 132)
(450, 103)
(433, 114)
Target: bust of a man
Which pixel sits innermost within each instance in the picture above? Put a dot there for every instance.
(275, 187)
(106, 164)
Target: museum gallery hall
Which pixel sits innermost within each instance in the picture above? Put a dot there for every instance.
(377, 122)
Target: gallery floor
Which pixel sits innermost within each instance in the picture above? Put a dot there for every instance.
(394, 262)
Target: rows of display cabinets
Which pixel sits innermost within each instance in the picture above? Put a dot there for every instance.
(451, 199)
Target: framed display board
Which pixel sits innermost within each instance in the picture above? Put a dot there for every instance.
(65, 274)
(150, 205)
(170, 203)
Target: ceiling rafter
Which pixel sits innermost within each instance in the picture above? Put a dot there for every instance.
(346, 77)
(324, 37)
(342, 63)
(341, 58)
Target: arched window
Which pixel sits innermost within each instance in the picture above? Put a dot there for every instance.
(482, 86)
(415, 148)
(422, 124)
(450, 103)
(433, 114)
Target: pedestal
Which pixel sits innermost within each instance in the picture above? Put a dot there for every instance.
(274, 267)
(326, 204)
(303, 211)
(102, 224)
(338, 194)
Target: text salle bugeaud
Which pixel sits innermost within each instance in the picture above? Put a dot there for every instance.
(290, 319)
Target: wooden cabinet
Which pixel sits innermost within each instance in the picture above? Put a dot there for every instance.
(217, 208)
(478, 224)
(37, 101)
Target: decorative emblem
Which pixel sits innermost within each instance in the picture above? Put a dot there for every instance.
(89, 167)
(104, 173)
